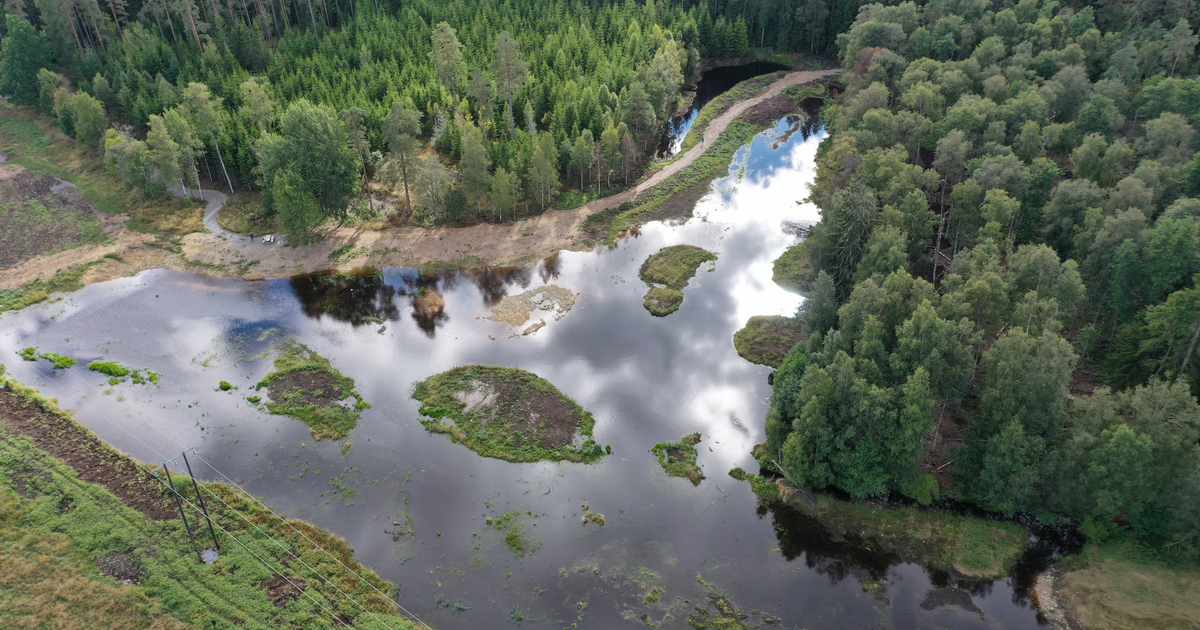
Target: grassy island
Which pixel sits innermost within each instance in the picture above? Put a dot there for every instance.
(793, 271)
(508, 414)
(307, 387)
(767, 340)
(668, 272)
(679, 458)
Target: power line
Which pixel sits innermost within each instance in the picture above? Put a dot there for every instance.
(244, 546)
(281, 546)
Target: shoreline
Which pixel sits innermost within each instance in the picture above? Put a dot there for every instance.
(485, 244)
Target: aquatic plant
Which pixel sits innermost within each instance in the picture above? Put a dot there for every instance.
(679, 458)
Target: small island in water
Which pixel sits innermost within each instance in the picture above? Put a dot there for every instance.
(508, 414)
(667, 272)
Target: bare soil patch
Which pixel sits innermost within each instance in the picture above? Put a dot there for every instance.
(38, 214)
(515, 310)
(54, 432)
(308, 387)
(766, 112)
(281, 591)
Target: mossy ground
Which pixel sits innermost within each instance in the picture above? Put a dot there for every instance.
(679, 458)
(516, 532)
(713, 163)
(118, 373)
(307, 387)
(767, 340)
(508, 414)
(662, 302)
(668, 272)
(674, 266)
(793, 271)
(60, 532)
(1119, 585)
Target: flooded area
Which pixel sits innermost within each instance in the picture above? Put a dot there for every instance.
(416, 506)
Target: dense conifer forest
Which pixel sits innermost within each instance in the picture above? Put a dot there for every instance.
(1004, 299)
(519, 100)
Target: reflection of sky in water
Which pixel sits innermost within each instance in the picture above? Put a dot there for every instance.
(645, 379)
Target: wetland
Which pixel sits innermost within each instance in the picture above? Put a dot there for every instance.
(613, 543)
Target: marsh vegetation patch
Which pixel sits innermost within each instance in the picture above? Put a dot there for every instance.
(508, 414)
(679, 458)
(793, 271)
(766, 340)
(307, 387)
(674, 266)
(668, 271)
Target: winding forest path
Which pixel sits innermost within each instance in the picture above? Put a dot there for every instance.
(483, 244)
(226, 253)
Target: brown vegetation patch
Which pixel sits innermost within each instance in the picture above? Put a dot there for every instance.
(281, 591)
(767, 112)
(767, 340)
(59, 435)
(35, 219)
(306, 387)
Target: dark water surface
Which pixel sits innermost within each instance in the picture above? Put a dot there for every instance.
(646, 379)
(713, 83)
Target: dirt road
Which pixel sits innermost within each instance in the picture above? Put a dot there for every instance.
(226, 254)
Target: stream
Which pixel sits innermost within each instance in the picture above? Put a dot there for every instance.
(414, 504)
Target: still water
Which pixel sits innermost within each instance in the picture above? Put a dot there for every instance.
(712, 84)
(646, 379)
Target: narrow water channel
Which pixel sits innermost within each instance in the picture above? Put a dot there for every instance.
(712, 84)
(414, 505)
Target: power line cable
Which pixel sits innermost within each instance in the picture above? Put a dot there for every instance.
(281, 546)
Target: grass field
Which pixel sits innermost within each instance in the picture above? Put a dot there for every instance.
(1118, 585)
(112, 553)
(767, 340)
(34, 141)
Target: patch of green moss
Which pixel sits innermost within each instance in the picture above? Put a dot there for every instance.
(318, 409)
(761, 486)
(118, 373)
(662, 302)
(29, 354)
(674, 266)
(508, 414)
(59, 361)
(39, 290)
(679, 458)
(109, 368)
(767, 340)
